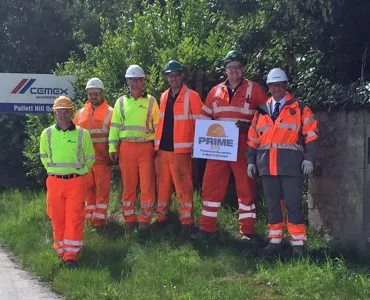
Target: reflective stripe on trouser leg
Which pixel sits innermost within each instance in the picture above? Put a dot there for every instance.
(181, 171)
(74, 214)
(246, 192)
(128, 163)
(56, 210)
(215, 181)
(90, 194)
(103, 175)
(147, 180)
(292, 187)
(58, 246)
(164, 185)
(276, 232)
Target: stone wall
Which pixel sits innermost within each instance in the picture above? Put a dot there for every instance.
(339, 190)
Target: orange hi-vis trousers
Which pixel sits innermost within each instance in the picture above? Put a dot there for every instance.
(97, 195)
(174, 169)
(66, 208)
(215, 182)
(136, 161)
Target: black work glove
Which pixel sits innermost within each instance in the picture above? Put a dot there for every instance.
(243, 125)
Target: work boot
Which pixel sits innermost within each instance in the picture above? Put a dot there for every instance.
(159, 225)
(185, 232)
(203, 235)
(98, 229)
(298, 251)
(272, 249)
(130, 226)
(71, 264)
(252, 239)
(143, 226)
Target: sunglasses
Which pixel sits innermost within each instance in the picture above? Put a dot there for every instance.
(90, 95)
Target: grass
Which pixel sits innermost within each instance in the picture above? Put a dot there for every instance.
(118, 266)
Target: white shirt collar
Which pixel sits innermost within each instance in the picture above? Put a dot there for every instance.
(282, 103)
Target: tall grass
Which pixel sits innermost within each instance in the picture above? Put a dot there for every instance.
(119, 266)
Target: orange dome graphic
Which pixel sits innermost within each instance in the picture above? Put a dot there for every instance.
(216, 130)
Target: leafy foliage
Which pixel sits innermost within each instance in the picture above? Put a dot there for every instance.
(189, 32)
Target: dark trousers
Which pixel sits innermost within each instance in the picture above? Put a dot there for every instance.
(289, 188)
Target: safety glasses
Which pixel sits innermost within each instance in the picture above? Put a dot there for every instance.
(91, 95)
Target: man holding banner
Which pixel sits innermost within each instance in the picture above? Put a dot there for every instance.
(236, 101)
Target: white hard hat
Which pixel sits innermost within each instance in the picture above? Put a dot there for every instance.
(134, 71)
(95, 83)
(276, 75)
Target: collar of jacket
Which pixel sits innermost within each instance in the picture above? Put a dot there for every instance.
(88, 104)
(225, 84)
(182, 91)
(290, 101)
(70, 128)
(143, 94)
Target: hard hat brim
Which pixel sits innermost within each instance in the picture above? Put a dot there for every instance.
(65, 108)
(131, 76)
(170, 71)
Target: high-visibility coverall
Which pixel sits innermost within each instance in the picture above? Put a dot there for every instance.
(174, 165)
(67, 157)
(97, 122)
(278, 149)
(132, 128)
(242, 106)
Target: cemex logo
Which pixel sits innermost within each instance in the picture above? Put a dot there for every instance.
(25, 84)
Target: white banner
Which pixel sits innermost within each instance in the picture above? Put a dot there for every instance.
(216, 140)
(33, 93)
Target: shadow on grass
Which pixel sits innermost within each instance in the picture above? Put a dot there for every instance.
(115, 260)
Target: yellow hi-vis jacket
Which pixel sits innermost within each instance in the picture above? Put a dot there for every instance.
(66, 152)
(133, 120)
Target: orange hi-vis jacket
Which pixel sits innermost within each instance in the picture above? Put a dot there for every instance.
(248, 96)
(186, 110)
(279, 148)
(97, 122)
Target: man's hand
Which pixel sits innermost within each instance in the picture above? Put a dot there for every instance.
(252, 171)
(307, 167)
(113, 157)
(243, 125)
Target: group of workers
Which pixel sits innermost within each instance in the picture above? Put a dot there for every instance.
(153, 145)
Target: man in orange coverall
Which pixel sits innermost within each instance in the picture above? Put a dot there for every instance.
(234, 100)
(67, 153)
(96, 118)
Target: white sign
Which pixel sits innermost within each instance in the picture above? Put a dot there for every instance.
(33, 93)
(216, 140)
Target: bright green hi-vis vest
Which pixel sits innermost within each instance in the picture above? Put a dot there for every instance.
(66, 152)
(133, 120)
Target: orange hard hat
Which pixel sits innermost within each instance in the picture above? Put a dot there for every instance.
(63, 102)
(216, 130)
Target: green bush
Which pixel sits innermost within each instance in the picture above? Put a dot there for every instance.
(189, 32)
